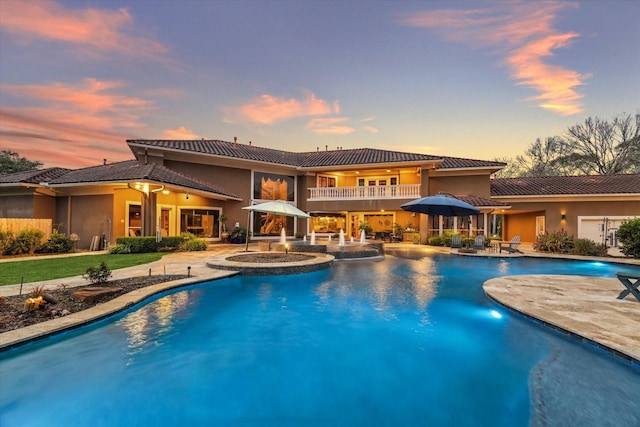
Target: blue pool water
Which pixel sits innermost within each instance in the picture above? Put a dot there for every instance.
(402, 342)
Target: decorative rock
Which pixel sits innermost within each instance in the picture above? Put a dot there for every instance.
(93, 294)
(50, 299)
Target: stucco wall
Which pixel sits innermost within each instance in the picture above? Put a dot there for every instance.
(236, 181)
(45, 207)
(91, 216)
(477, 185)
(523, 225)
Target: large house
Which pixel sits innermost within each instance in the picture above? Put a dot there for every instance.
(188, 185)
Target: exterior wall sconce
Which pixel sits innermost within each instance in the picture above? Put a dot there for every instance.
(563, 217)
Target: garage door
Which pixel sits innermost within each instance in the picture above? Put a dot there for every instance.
(600, 229)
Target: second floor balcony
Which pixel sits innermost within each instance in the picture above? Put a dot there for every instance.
(372, 192)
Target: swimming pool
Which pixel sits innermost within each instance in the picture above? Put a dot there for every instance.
(402, 342)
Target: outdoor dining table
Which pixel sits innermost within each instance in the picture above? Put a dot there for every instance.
(631, 288)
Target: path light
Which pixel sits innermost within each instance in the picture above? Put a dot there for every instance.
(286, 249)
(189, 271)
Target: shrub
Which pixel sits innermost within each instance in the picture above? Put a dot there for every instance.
(6, 240)
(37, 291)
(629, 237)
(364, 225)
(557, 242)
(192, 243)
(26, 242)
(97, 275)
(119, 249)
(435, 241)
(170, 243)
(588, 248)
(138, 245)
(57, 244)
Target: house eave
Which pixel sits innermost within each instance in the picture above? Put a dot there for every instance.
(570, 197)
(172, 187)
(362, 166)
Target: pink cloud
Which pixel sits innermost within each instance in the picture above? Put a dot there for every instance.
(72, 125)
(179, 133)
(268, 109)
(370, 129)
(100, 29)
(59, 143)
(330, 126)
(90, 95)
(523, 34)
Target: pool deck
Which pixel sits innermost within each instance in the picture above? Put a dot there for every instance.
(583, 306)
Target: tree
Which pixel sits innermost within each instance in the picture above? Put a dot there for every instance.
(543, 158)
(603, 147)
(629, 236)
(11, 162)
(512, 170)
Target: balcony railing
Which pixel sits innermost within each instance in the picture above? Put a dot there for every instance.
(373, 192)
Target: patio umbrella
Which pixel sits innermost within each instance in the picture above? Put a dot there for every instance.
(440, 205)
(276, 207)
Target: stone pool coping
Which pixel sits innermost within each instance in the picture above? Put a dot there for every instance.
(41, 330)
(315, 262)
(583, 306)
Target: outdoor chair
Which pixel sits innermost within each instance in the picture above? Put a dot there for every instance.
(478, 243)
(456, 241)
(511, 246)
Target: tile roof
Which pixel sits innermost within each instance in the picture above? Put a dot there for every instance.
(326, 158)
(481, 201)
(359, 156)
(132, 170)
(566, 185)
(460, 163)
(129, 170)
(33, 177)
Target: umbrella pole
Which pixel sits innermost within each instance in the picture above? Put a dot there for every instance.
(246, 248)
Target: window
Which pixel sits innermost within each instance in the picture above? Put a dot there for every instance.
(268, 186)
(201, 222)
(268, 224)
(326, 181)
(134, 219)
(328, 222)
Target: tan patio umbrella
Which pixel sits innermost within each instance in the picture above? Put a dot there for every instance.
(276, 207)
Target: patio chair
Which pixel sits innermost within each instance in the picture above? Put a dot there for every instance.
(478, 243)
(456, 241)
(511, 246)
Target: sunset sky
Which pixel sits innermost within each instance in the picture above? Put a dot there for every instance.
(454, 78)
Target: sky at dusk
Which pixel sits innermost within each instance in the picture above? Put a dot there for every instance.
(469, 79)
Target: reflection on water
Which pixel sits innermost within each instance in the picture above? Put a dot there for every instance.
(380, 286)
(156, 318)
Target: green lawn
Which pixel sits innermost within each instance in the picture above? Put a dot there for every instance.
(55, 268)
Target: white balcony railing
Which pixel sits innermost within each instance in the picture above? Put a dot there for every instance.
(373, 192)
